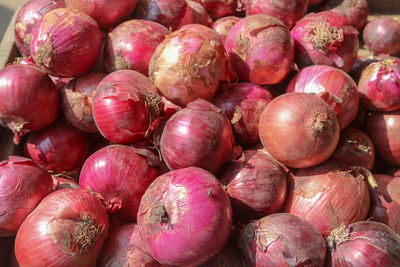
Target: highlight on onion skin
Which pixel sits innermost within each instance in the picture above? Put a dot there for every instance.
(27, 18)
(131, 44)
(382, 36)
(260, 50)
(356, 11)
(66, 42)
(29, 100)
(185, 217)
(190, 63)
(223, 25)
(67, 228)
(282, 239)
(23, 185)
(219, 8)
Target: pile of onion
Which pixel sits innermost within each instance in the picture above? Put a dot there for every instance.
(223, 25)
(356, 11)
(382, 36)
(219, 8)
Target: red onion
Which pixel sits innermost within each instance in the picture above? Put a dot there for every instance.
(282, 239)
(68, 228)
(287, 11)
(379, 85)
(125, 247)
(119, 176)
(260, 49)
(169, 108)
(384, 130)
(23, 184)
(359, 66)
(242, 104)
(382, 36)
(223, 25)
(58, 148)
(355, 148)
(299, 130)
(334, 86)
(324, 38)
(365, 243)
(185, 217)
(77, 99)
(125, 105)
(229, 256)
(328, 196)
(200, 15)
(356, 11)
(189, 64)
(66, 42)
(63, 183)
(27, 18)
(131, 45)
(219, 8)
(107, 13)
(198, 135)
(256, 185)
(29, 99)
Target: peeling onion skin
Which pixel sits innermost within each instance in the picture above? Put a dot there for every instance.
(190, 63)
(185, 217)
(49, 235)
(382, 36)
(328, 196)
(334, 86)
(260, 49)
(300, 130)
(219, 8)
(131, 44)
(282, 239)
(223, 25)
(27, 18)
(379, 85)
(23, 185)
(365, 243)
(66, 42)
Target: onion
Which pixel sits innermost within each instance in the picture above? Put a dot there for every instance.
(334, 86)
(63, 183)
(169, 108)
(118, 176)
(242, 104)
(282, 239)
(199, 13)
(359, 66)
(68, 228)
(66, 42)
(356, 11)
(325, 39)
(228, 256)
(223, 25)
(364, 243)
(125, 247)
(379, 85)
(29, 99)
(27, 17)
(198, 135)
(189, 64)
(382, 36)
(256, 185)
(260, 49)
(77, 99)
(299, 130)
(185, 217)
(384, 130)
(23, 184)
(219, 8)
(131, 45)
(107, 13)
(328, 196)
(125, 105)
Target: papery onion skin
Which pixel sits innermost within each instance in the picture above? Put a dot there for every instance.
(219, 8)
(328, 196)
(282, 239)
(185, 217)
(67, 228)
(29, 99)
(223, 25)
(107, 13)
(300, 130)
(379, 85)
(23, 184)
(190, 63)
(334, 42)
(77, 97)
(66, 42)
(260, 49)
(382, 36)
(256, 185)
(198, 135)
(334, 86)
(356, 11)
(365, 243)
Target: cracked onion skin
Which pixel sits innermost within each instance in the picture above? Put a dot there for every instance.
(300, 130)
(185, 217)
